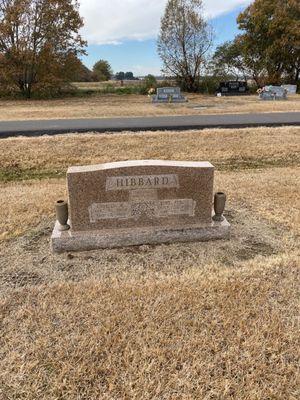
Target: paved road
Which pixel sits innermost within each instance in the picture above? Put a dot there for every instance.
(54, 127)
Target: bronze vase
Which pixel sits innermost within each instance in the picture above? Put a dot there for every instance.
(62, 214)
(219, 206)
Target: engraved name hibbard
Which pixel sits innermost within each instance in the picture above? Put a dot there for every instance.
(143, 199)
(142, 182)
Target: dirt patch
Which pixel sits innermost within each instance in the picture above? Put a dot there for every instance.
(254, 247)
(19, 278)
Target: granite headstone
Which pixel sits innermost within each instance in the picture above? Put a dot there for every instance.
(136, 202)
(273, 93)
(168, 95)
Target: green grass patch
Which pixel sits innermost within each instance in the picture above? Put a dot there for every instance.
(234, 164)
(17, 175)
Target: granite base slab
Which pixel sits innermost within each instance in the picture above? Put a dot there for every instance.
(82, 241)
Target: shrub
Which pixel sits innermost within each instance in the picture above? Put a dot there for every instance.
(150, 81)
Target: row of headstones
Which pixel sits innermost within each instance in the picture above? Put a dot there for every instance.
(173, 94)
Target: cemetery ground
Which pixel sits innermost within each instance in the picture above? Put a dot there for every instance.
(112, 105)
(215, 320)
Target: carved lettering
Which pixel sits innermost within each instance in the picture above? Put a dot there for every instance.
(142, 208)
(119, 182)
(142, 181)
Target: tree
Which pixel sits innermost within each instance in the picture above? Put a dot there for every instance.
(82, 73)
(184, 40)
(228, 62)
(39, 43)
(120, 76)
(270, 43)
(102, 71)
(129, 76)
(150, 81)
(232, 61)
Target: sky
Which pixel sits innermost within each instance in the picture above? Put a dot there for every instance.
(124, 32)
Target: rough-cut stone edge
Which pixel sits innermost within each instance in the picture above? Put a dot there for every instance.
(82, 241)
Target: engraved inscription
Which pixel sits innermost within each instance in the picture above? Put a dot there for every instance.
(168, 208)
(109, 211)
(142, 182)
(137, 209)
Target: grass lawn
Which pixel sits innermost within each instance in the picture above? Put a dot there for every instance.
(215, 320)
(101, 106)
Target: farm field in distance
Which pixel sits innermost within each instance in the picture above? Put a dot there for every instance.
(112, 105)
(215, 320)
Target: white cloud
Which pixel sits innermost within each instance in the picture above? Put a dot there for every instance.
(113, 21)
(213, 8)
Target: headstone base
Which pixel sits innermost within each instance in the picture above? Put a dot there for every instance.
(82, 241)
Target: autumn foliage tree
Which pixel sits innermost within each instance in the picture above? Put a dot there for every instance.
(268, 49)
(184, 40)
(271, 38)
(39, 44)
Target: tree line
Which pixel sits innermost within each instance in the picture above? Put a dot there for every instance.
(41, 46)
(101, 72)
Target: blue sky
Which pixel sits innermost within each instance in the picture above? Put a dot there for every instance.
(130, 46)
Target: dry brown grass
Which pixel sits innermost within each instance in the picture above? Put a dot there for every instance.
(209, 334)
(216, 320)
(227, 148)
(135, 105)
(27, 204)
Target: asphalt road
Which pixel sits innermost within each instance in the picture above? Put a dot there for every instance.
(54, 127)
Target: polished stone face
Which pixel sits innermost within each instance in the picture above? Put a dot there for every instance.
(140, 194)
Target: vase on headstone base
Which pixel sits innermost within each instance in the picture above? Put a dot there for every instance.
(219, 206)
(62, 214)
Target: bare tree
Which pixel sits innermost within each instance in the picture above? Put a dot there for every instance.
(184, 41)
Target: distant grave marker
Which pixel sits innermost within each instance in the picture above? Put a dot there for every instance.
(292, 89)
(273, 93)
(138, 202)
(233, 88)
(169, 95)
